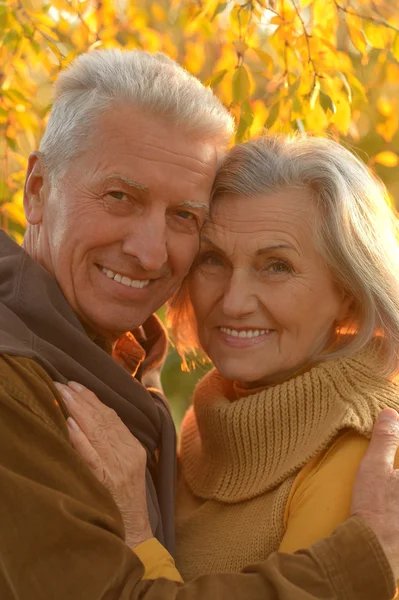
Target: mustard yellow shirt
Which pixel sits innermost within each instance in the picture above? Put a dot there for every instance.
(321, 495)
(319, 501)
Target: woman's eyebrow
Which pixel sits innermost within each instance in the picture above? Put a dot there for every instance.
(268, 249)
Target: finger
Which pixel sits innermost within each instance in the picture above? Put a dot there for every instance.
(83, 395)
(92, 422)
(384, 441)
(85, 450)
(87, 395)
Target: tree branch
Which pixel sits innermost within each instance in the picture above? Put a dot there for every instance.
(378, 21)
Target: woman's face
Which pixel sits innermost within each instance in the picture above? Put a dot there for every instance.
(263, 297)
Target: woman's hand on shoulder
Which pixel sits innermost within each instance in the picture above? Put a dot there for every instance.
(112, 453)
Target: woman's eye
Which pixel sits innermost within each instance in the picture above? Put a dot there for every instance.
(278, 267)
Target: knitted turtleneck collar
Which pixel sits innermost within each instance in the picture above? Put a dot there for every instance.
(235, 450)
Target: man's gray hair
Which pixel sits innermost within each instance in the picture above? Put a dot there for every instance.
(150, 82)
(355, 230)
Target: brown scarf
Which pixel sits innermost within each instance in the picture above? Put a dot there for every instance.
(36, 321)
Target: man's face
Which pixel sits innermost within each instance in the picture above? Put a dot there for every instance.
(122, 228)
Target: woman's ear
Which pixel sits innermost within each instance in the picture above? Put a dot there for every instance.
(33, 189)
(344, 310)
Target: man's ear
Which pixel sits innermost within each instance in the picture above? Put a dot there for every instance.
(34, 189)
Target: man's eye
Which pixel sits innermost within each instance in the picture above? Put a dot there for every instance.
(185, 214)
(117, 195)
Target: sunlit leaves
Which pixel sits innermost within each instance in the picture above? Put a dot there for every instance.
(326, 66)
(387, 158)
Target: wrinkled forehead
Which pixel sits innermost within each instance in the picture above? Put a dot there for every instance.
(289, 208)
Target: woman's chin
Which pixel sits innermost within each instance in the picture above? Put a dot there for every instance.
(244, 378)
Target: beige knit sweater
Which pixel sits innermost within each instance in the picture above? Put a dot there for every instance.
(239, 456)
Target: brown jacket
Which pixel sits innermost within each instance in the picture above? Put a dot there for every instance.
(62, 534)
(37, 322)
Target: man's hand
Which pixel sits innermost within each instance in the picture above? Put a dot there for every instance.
(376, 491)
(113, 454)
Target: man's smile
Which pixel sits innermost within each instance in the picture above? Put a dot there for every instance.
(124, 280)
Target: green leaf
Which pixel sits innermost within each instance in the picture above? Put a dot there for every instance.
(273, 114)
(219, 9)
(11, 143)
(294, 87)
(241, 85)
(11, 38)
(241, 131)
(247, 114)
(215, 79)
(327, 103)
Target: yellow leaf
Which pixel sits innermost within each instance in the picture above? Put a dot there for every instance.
(378, 35)
(32, 4)
(387, 158)
(15, 213)
(395, 47)
(239, 19)
(384, 106)
(314, 94)
(158, 12)
(305, 3)
(342, 117)
(316, 119)
(241, 46)
(43, 19)
(388, 129)
(357, 34)
(266, 59)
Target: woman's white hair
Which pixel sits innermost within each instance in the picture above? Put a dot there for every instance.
(355, 229)
(151, 82)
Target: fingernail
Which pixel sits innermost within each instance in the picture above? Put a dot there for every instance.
(72, 424)
(75, 386)
(67, 396)
(389, 414)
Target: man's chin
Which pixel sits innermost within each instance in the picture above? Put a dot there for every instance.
(110, 328)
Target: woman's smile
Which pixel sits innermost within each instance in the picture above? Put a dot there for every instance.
(247, 337)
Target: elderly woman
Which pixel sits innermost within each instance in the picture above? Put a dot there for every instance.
(294, 297)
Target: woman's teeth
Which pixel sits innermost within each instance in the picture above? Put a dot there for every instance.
(135, 283)
(251, 333)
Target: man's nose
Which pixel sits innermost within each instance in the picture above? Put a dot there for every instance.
(239, 299)
(147, 242)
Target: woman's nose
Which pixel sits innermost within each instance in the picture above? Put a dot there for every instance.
(239, 298)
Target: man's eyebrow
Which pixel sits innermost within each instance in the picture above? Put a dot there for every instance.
(191, 204)
(129, 182)
(267, 249)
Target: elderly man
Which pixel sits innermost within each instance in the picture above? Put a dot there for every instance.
(115, 200)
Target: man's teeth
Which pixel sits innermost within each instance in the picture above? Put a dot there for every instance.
(135, 283)
(251, 333)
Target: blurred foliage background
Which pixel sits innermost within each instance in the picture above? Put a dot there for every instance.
(326, 66)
